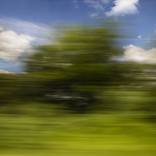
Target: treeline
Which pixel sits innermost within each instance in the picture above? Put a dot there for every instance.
(77, 72)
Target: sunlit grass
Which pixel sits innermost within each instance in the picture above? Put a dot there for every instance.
(43, 131)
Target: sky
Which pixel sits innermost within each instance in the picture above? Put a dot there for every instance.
(24, 23)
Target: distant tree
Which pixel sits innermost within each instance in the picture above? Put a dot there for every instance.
(78, 65)
(7, 88)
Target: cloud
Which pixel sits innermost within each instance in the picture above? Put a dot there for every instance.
(13, 45)
(139, 37)
(24, 26)
(140, 55)
(39, 31)
(120, 8)
(123, 7)
(17, 38)
(97, 6)
(5, 72)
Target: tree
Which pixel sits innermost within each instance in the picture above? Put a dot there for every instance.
(78, 66)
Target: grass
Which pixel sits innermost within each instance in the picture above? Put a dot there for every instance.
(39, 131)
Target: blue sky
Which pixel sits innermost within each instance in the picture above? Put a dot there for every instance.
(31, 17)
(74, 11)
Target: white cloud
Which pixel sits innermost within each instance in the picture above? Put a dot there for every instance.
(40, 32)
(96, 4)
(13, 45)
(5, 72)
(140, 55)
(1, 29)
(139, 37)
(120, 8)
(123, 7)
(24, 26)
(17, 37)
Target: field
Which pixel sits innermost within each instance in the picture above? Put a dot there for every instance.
(38, 131)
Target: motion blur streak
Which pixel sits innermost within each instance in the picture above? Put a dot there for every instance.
(74, 99)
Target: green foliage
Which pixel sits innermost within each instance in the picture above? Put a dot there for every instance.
(77, 72)
(39, 130)
(8, 86)
(83, 59)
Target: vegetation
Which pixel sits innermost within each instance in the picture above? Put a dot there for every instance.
(75, 99)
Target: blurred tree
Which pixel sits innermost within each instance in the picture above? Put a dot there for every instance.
(8, 86)
(79, 65)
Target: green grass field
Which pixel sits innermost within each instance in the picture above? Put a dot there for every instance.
(39, 131)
